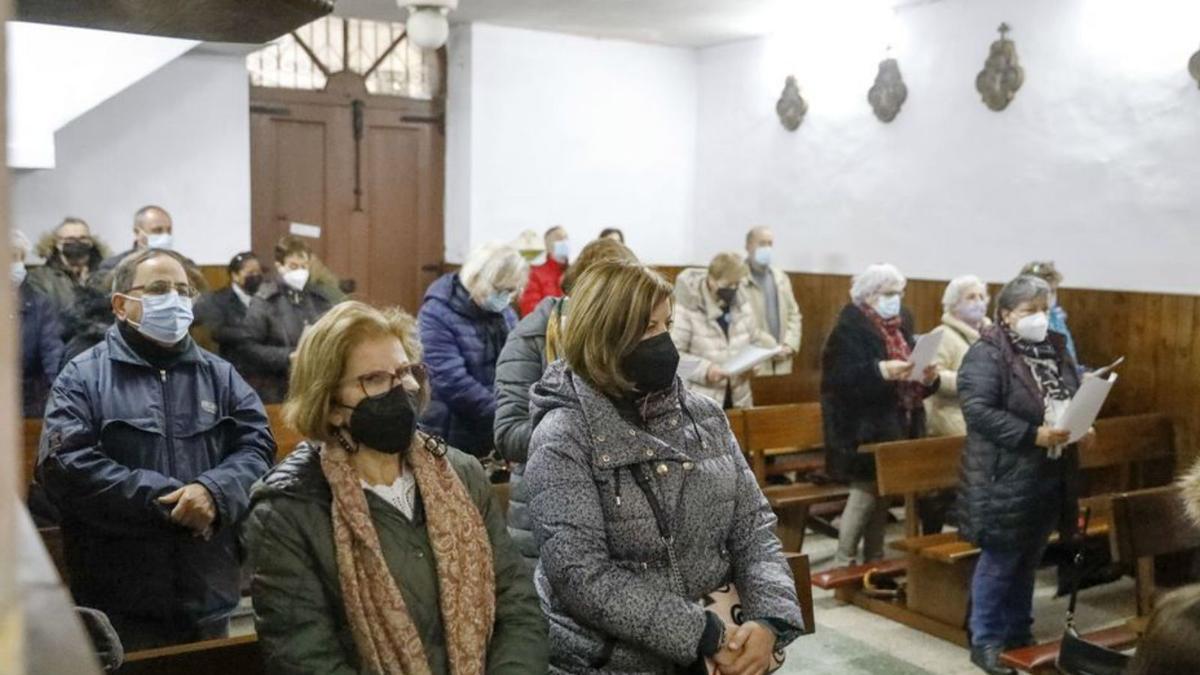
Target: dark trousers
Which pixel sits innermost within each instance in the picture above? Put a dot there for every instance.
(1002, 594)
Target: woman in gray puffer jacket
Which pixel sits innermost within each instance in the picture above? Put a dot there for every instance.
(532, 344)
(621, 450)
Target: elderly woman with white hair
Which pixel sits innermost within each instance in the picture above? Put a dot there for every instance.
(867, 396)
(41, 334)
(464, 322)
(964, 316)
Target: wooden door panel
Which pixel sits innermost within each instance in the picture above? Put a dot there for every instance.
(393, 191)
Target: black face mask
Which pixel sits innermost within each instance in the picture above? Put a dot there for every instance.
(77, 251)
(252, 283)
(385, 423)
(652, 364)
(727, 296)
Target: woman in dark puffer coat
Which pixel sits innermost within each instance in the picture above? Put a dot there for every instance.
(531, 346)
(1018, 472)
(464, 322)
(642, 502)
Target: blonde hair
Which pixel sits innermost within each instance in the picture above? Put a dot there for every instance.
(320, 364)
(613, 301)
(728, 267)
(493, 266)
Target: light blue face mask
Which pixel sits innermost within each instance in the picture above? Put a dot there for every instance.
(164, 241)
(18, 273)
(498, 302)
(562, 250)
(888, 306)
(762, 256)
(165, 318)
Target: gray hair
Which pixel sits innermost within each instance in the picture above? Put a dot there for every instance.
(492, 266)
(1025, 288)
(126, 271)
(20, 242)
(958, 287)
(872, 279)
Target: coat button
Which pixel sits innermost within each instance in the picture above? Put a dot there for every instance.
(688, 466)
(605, 458)
(662, 470)
(649, 452)
(599, 439)
(632, 432)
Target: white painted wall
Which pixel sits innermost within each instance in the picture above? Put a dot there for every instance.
(544, 128)
(1094, 164)
(179, 138)
(56, 73)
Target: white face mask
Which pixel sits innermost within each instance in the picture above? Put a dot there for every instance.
(888, 306)
(296, 279)
(1033, 328)
(18, 273)
(164, 241)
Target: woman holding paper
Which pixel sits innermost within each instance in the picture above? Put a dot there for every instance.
(715, 326)
(869, 395)
(1018, 473)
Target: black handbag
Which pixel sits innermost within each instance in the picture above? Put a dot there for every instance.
(1077, 656)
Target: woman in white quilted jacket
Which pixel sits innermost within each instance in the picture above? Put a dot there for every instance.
(713, 323)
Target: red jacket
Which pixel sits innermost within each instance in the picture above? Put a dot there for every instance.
(545, 281)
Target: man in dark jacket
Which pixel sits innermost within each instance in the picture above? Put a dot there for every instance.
(152, 228)
(149, 449)
(41, 335)
(73, 255)
(277, 318)
(223, 313)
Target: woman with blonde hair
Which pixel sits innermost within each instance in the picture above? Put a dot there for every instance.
(714, 322)
(375, 547)
(464, 322)
(642, 504)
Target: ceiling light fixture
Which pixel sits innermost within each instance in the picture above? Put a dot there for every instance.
(427, 25)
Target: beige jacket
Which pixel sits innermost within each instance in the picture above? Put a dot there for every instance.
(790, 319)
(697, 334)
(943, 413)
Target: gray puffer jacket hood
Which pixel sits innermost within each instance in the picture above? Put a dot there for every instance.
(604, 576)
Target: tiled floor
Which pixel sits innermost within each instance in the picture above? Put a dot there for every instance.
(852, 641)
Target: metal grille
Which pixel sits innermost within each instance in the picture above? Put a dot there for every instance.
(390, 64)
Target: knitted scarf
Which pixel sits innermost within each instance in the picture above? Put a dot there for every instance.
(912, 394)
(388, 641)
(1043, 361)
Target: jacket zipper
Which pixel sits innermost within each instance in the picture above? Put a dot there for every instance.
(167, 423)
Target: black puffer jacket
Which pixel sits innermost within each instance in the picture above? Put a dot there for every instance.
(857, 405)
(1009, 487)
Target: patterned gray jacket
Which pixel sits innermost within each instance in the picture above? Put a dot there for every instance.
(604, 578)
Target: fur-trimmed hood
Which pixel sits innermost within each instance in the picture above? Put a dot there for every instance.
(1189, 486)
(46, 248)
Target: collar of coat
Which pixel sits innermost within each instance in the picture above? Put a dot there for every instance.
(962, 328)
(996, 336)
(615, 442)
(119, 350)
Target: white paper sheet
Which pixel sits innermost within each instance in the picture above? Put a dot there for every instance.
(749, 358)
(1085, 406)
(305, 230)
(923, 354)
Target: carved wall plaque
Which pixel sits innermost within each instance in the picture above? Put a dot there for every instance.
(889, 91)
(791, 106)
(1194, 66)
(1001, 76)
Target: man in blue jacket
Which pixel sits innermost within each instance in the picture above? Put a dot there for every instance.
(149, 448)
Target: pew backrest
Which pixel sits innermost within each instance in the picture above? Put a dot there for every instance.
(286, 439)
(918, 465)
(1152, 522)
(795, 425)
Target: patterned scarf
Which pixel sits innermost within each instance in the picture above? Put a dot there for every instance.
(388, 641)
(912, 394)
(1042, 359)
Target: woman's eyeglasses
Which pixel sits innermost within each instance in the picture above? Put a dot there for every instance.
(380, 382)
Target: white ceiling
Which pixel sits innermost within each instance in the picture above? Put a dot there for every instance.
(691, 23)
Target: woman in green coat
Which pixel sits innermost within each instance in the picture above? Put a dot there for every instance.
(376, 548)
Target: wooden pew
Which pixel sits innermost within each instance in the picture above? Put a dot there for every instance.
(1148, 524)
(802, 574)
(737, 424)
(939, 566)
(240, 655)
(31, 433)
(793, 435)
(286, 439)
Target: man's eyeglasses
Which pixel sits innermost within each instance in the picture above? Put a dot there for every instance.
(380, 382)
(165, 287)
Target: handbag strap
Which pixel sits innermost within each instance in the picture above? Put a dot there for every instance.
(1078, 561)
(641, 476)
